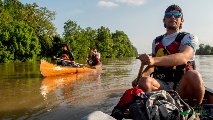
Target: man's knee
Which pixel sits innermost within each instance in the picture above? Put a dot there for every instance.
(192, 81)
(192, 76)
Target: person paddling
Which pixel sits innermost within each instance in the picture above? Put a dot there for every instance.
(94, 57)
(170, 66)
(66, 57)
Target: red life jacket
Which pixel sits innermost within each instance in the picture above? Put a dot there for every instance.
(173, 73)
(170, 49)
(97, 58)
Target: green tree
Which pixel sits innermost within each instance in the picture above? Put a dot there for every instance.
(122, 45)
(18, 42)
(204, 50)
(41, 20)
(104, 42)
(32, 20)
(109, 44)
(72, 35)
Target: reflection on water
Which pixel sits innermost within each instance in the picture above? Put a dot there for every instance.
(17, 83)
(26, 95)
(67, 89)
(57, 82)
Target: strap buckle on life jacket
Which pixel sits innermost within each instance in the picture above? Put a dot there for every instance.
(188, 67)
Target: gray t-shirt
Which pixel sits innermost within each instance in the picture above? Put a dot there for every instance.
(188, 39)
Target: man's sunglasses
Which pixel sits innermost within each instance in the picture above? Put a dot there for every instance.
(175, 14)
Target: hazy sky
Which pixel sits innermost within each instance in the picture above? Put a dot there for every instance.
(141, 20)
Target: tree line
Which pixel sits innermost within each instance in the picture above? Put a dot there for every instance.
(204, 50)
(27, 33)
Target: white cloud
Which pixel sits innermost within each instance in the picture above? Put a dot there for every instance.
(107, 4)
(132, 2)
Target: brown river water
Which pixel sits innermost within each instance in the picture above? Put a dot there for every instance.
(25, 94)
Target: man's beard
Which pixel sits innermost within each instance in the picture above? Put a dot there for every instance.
(171, 27)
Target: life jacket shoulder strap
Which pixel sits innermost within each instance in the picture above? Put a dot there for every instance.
(177, 39)
(159, 38)
(180, 36)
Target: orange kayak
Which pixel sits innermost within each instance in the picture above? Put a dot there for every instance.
(48, 69)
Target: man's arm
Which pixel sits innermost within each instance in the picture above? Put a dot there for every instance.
(147, 71)
(185, 54)
(98, 55)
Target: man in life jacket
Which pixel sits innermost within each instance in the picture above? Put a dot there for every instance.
(66, 56)
(94, 57)
(170, 62)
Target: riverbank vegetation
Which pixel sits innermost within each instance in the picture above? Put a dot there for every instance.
(204, 50)
(27, 33)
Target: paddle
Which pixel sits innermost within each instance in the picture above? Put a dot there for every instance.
(135, 83)
(140, 71)
(64, 60)
(73, 63)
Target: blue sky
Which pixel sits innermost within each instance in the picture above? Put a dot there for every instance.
(141, 20)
